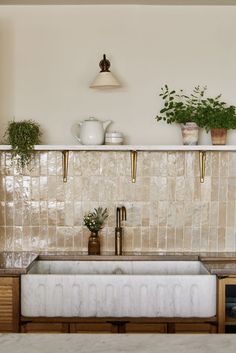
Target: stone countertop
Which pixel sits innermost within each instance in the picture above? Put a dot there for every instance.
(221, 269)
(220, 264)
(16, 263)
(125, 343)
(217, 257)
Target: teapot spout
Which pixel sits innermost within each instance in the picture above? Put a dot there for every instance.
(106, 123)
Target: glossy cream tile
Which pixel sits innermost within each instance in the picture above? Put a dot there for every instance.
(2, 238)
(52, 238)
(204, 241)
(167, 208)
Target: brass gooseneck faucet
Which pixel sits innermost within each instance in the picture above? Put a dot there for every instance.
(120, 216)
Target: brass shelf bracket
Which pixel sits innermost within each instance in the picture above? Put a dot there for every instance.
(202, 165)
(134, 156)
(65, 160)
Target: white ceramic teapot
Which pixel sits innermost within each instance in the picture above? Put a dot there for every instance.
(92, 131)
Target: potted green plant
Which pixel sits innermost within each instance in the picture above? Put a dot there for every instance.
(23, 136)
(94, 221)
(216, 116)
(182, 109)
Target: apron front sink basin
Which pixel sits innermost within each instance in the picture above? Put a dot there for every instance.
(118, 289)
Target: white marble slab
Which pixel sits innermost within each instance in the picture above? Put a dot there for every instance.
(128, 148)
(80, 343)
(118, 289)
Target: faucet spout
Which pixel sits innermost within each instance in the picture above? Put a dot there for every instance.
(123, 213)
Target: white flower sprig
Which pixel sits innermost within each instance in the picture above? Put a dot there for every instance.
(94, 220)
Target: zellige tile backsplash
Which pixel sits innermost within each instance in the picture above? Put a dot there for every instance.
(168, 209)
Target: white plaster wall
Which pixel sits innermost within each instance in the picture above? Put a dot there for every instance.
(50, 54)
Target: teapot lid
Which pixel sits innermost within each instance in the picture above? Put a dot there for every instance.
(91, 119)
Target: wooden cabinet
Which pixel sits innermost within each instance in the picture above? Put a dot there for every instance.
(226, 301)
(9, 304)
(117, 325)
(44, 327)
(93, 327)
(139, 327)
(194, 328)
(143, 326)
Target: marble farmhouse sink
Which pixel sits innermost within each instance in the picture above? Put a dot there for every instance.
(118, 289)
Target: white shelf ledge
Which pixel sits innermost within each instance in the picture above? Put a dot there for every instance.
(128, 148)
(117, 2)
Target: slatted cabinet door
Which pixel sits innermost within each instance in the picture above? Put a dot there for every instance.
(9, 304)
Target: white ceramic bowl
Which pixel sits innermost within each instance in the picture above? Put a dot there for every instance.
(113, 138)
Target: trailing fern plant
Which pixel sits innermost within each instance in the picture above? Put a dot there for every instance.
(23, 136)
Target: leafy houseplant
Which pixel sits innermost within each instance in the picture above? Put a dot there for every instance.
(182, 109)
(94, 221)
(23, 136)
(218, 117)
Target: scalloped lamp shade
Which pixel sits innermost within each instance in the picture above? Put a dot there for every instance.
(105, 79)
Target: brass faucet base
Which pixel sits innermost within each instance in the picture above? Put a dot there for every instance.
(120, 216)
(118, 241)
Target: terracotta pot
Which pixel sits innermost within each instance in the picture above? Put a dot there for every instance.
(94, 244)
(190, 133)
(218, 136)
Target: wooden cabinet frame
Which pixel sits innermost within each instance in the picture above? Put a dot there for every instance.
(222, 319)
(44, 327)
(119, 325)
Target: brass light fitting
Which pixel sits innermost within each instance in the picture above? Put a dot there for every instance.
(134, 156)
(202, 165)
(65, 161)
(105, 79)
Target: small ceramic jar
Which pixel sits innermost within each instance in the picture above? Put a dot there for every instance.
(190, 133)
(113, 138)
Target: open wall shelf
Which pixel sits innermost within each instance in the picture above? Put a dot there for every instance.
(117, 2)
(133, 149)
(151, 148)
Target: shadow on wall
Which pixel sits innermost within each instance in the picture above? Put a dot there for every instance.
(6, 73)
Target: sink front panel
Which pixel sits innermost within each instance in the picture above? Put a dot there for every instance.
(143, 289)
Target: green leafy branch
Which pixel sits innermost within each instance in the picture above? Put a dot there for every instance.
(178, 107)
